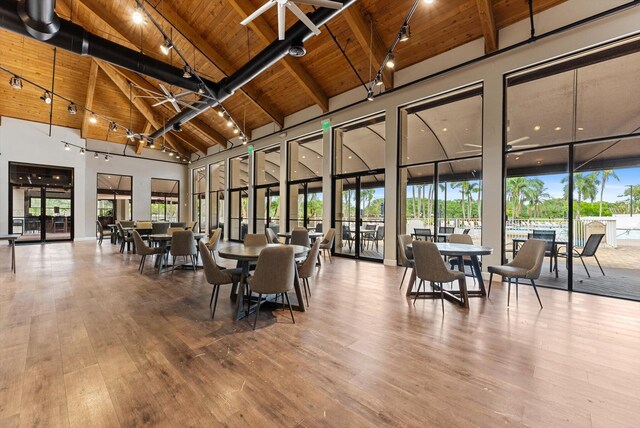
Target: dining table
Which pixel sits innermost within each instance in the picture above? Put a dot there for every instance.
(12, 238)
(246, 255)
(163, 240)
(459, 251)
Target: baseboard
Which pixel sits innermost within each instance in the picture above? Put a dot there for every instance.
(390, 262)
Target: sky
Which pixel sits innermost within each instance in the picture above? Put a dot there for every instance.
(612, 189)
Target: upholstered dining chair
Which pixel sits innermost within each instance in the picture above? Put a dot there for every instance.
(125, 239)
(254, 240)
(216, 276)
(305, 269)
(405, 259)
(300, 236)
(171, 230)
(212, 243)
(101, 233)
(458, 238)
(159, 228)
(274, 274)
(183, 244)
(430, 267)
(327, 243)
(142, 249)
(271, 236)
(526, 265)
(192, 225)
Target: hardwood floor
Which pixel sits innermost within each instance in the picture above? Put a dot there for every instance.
(85, 340)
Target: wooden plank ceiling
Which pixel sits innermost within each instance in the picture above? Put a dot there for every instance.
(211, 37)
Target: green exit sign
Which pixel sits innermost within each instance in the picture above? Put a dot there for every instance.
(326, 125)
(250, 148)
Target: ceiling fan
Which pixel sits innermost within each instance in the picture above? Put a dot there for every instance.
(514, 144)
(168, 96)
(291, 5)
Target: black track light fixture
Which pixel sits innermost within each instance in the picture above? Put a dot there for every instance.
(15, 82)
(177, 127)
(405, 33)
(166, 46)
(46, 97)
(72, 109)
(187, 72)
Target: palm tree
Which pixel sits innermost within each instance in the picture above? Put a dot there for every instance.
(606, 175)
(535, 193)
(585, 186)
(515, 189)
(460, 185)
(471, 188)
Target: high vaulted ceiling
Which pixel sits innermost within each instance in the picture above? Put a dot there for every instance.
(209, 33)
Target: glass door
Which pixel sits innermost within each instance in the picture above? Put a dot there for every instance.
(57, 214)
(41, 214)
(359, 216)
(267, 209)
(305, 205)
(238, 214)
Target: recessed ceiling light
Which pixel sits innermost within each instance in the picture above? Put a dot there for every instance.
(428, 1)
(558, 128)
(536, 128)
(304, 157)
(580, 129)
(350, 157)
(444, 129)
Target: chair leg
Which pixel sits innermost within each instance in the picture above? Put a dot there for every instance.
(308, 286)
(286, 294)
(418, 292)
(517, 283)
(213, 291)
(442, 297)
(304, 287)
(490, 281)
(257, 310)
(403, 275)
(144, 259)
(509, 291)
(329, 251)
(598, 261)
(140, 264)
(585, 267)
(215, 303)
(536, 290)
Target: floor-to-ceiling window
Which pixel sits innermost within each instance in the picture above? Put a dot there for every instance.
(440, 166)
(238, 197)
(267, 189)
(358, 188)
(305, 182)
(114, 198)
(165, 200)
(199, 213)
(40, 202)
(217, 182)
(573, 165)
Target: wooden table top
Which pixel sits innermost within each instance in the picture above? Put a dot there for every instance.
(448, 249)
(167, 237)
(251, 253)
(311, 234)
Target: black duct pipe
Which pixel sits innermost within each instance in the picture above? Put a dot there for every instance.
(74, 38)
(39, 18)
(265, 59)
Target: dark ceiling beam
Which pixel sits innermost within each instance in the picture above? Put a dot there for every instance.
(361, 29)
(268, 35)
(489, 29)
(221, 63)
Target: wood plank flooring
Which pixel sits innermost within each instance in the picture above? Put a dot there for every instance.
(85, 340)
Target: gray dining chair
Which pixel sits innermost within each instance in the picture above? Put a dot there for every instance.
(124, 237)
(254, 240)
(429, 266)
(126, 223)
(327, 243)
(216, 276)
(424, 234)
(305, 269)
(171, 230)
(183, 244)
(274, 274)
(404, 257)
(159, 228)
(143, 250)
(526, 265)
(589, 250)
(458, 238)
(101, 232)
(300, 236)
(271, 236)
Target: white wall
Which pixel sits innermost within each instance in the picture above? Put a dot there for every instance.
(29, 142)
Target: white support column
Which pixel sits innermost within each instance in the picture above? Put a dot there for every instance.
(284, 189)
(327, 197)
(227, 205)
(251, 179)
(294, 166)
(390, 186)
(492, 166)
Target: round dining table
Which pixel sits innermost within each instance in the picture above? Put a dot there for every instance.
(287, 236)
(247, 254)
(459, 251)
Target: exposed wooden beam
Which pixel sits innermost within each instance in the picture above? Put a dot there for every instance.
(119, 26)
(488, 23)
(88, 103)
(147, 129)
(220, 62)
(144, 108)
(267, 35)
(199, 124)
(361, 29)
